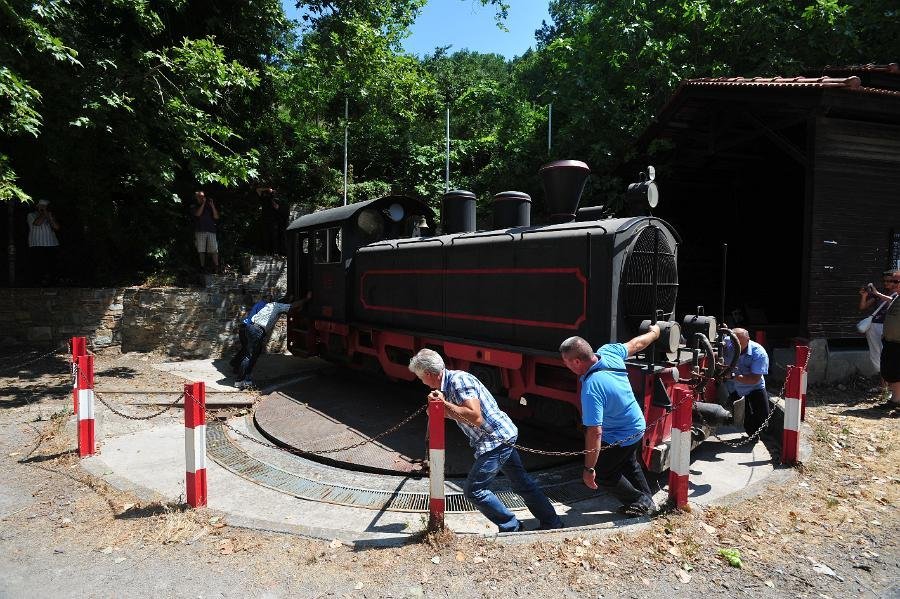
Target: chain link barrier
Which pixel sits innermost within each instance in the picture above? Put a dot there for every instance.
(297, 451)
(257, 398)
(164, 409)
(622, 443)
(30, 361)
(765, 424)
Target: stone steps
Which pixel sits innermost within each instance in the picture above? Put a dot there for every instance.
(257, 275)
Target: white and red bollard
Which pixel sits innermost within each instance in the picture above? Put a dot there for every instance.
(436, 463)
(801, 360)
(195, 443)
(79, 348)
(85, 405)
(680, 448)
(790, 440)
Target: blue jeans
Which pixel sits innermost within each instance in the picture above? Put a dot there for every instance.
(506, 459)
(255, 335)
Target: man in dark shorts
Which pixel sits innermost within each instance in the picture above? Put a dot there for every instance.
(890, 352)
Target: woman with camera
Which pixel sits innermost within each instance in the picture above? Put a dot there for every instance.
(873, 301)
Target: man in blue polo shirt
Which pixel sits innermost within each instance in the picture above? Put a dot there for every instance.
(492, 435)
(613, 420)
(748, 380)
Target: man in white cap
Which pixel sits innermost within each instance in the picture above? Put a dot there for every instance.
(43, 244)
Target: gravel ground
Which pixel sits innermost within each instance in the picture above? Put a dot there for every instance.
(830, 532)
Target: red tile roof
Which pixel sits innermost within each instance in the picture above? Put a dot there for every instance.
(852, 83)
(892, 68)
(845, 82)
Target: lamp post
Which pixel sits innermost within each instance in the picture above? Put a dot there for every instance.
(447, 154)
(346, 136)
(549, 126)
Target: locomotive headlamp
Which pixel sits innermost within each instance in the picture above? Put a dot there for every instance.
(645, 192)
(395, 212)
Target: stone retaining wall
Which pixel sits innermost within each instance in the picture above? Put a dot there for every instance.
(187, 323)
(45, 317)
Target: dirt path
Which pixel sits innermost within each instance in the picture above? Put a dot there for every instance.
(830, 532)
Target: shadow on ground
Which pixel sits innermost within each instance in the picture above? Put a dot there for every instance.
(30, 375)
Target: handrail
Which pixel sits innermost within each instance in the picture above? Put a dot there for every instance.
(483, 235)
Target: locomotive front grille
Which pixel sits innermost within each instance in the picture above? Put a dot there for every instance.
(637, 277)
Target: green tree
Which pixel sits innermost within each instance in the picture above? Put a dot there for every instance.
(160, 99)
(619, 61)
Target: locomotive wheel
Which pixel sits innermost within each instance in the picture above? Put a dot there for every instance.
(489, 377)
(559, 417)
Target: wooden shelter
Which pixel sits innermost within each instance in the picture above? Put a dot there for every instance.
(800, 177)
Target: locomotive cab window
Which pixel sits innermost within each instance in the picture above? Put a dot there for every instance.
(327, 245)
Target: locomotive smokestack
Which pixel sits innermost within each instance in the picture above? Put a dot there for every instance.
(512, 209)
(458, 212)
(563, 184)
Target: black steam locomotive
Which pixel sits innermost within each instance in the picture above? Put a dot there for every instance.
(496, 303)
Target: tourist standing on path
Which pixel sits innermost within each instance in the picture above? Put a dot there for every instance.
(205, 216)
(875, 303)
(275, 216)
(890, 353)
(43, 245)
(492, 434)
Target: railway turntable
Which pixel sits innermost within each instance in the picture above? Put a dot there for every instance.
(258, 483)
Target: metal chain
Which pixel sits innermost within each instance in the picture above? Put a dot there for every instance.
(30, 361)
(165, 408)
(765, 423)
(296, 451)
(752, 437)
(620, 443)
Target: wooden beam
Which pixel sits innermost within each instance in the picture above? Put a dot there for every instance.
(778, 139)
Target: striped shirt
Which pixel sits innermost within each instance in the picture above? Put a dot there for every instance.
(41, 235)
(459, 386)
(269, 314)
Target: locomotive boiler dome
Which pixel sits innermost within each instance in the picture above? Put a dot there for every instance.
(458, 211)
(512, 209)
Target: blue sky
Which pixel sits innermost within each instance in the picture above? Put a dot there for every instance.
(466, 24)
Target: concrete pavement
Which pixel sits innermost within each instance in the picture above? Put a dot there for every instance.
(149, 459)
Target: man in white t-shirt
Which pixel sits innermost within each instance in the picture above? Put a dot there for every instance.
(43, 245)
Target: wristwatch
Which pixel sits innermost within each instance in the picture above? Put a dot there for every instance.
(586, 469)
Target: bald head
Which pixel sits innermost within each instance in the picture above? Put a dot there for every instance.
(743, 337)
(577, 355)
(576, 347)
